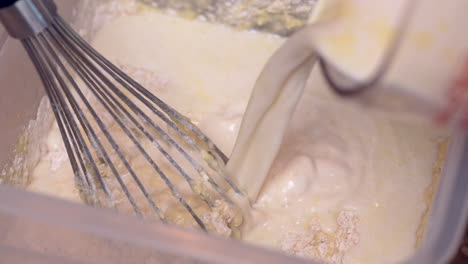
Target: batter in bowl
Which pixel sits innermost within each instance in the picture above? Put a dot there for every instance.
(347, 186)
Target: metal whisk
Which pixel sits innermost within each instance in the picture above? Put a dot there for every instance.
(91, 98)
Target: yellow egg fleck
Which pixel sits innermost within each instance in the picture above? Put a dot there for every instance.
(422, 40)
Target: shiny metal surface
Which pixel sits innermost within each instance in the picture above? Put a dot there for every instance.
(27, 18)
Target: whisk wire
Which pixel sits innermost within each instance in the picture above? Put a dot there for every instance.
(99, 122)
(42, 45)
(103, 95)
(64, 127)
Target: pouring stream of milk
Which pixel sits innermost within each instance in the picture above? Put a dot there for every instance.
(271, 106)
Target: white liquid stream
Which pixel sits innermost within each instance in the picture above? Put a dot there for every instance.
(271, 106)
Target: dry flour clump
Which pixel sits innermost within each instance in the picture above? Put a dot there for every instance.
(321, 246)
(224, 219)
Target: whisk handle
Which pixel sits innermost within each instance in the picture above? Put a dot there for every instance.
(7, 3)
(26, 18)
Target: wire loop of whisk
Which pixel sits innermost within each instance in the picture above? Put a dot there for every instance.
(90, 97)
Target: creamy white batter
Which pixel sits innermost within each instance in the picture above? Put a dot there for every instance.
(347, 186)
